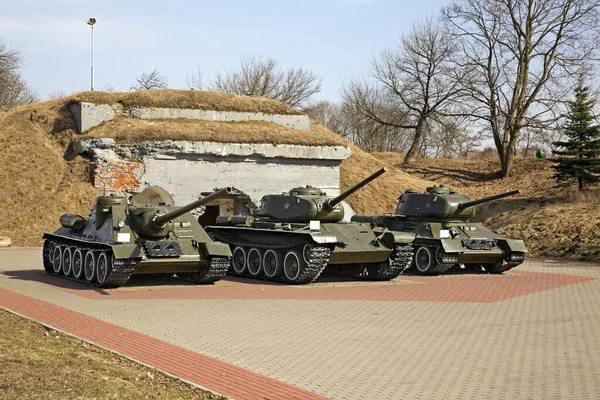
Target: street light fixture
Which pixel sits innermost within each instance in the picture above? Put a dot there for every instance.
(91, 22)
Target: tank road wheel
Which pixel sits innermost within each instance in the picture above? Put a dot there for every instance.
(67, 259)
(255, 262)
(77, 263)
(239, 260)
(89, 266)
(103, 267)
(57, 259)
(47, 255)
(293, 264)
(424, 259)
(272, 263)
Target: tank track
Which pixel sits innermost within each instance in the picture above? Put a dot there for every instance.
(448, 261)
(398, 262)
(216, 269)
(118, 276)
(316, 258)
(514, 259)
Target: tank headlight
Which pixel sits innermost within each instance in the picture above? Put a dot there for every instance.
(120, 224)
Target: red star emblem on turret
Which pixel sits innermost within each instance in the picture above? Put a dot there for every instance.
(286, 206)
(428, 205)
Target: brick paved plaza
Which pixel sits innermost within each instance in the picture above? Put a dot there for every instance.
(533, 333)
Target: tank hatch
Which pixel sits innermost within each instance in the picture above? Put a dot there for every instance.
(306, 191)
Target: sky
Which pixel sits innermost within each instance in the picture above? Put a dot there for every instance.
(335, 39)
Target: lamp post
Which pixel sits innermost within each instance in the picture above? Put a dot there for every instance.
(91, 22)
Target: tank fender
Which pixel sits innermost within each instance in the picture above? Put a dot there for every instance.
(126, 251)
(509, 245)
(215, 249)
(323, 237)
(452, 246)
(390, 238)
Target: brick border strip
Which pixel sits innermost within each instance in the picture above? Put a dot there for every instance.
(207, 372)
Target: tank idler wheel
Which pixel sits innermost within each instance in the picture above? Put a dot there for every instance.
(293, 264)
(47, 255)
(77, 264)
(255, 257)
(89, 266)
(272, 263)
(424, 260)
(67, 261)
(239, 260)
(57, 259)
(104, 266)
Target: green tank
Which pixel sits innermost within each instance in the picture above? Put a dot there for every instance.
(147, 236)
(444, 237)
(295, 235)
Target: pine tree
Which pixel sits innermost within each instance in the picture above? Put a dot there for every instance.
(580, 153)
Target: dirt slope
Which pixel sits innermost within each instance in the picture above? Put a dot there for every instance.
(553, 221)
(37, 184)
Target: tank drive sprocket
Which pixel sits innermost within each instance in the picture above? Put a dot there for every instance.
(216, 269)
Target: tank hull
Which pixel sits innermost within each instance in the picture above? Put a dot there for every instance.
(348, 249)
(441, 245)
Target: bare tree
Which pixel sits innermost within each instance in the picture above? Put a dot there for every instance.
(523, 53)
(343, 119)
(263, 77)
(415, 83)
(195, 80)
(13, 88)
(150, 80)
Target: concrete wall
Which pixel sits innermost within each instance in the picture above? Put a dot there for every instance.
(187, 169)
(88, 115)
(185, 179)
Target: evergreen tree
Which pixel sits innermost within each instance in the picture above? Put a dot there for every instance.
(580, 152)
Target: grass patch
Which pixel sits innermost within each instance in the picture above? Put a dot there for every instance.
(129, 130)
(194, 99)
(37, 363)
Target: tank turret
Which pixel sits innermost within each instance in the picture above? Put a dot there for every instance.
(441, 203)
(308, 203)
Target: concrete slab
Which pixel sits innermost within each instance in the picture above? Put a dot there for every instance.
(89, 115)
(532, 333)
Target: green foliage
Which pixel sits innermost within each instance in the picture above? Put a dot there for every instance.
(579, 154)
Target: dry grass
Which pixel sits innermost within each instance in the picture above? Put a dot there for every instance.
(194, 99)
(129, 130)
(37, 185)
(50, 365)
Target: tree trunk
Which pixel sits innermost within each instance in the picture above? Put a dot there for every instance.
(580, 180)
(507, 160)
(414, 147)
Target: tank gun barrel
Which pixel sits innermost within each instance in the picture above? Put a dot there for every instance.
(329, 204)
(163, 219)
(473, 203)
